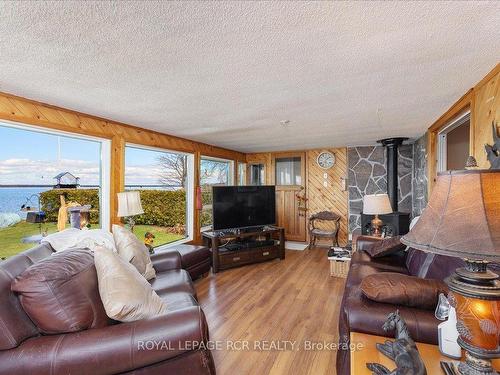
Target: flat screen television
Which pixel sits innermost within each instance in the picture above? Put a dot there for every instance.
(243, 206)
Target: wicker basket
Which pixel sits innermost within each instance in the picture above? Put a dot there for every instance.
(339, 268)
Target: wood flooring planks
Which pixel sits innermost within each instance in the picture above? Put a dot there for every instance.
(294, 299)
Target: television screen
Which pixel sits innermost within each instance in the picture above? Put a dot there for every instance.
(243, 206)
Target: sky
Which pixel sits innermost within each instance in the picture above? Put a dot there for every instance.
(30, 157)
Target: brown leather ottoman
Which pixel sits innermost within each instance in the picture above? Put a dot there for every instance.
(195, 259)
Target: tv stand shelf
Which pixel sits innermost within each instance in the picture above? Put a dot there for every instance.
(223, 259)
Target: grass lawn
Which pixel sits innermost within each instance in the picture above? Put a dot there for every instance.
(11, 244)
(10, 237)
(162, 236)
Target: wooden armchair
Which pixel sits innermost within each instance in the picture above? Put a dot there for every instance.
(315, 232)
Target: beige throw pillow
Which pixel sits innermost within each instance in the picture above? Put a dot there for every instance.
(133, 251)
(125, 294)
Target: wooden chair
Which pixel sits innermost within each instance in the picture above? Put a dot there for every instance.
(315, 232)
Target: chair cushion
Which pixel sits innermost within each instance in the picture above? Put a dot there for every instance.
(72, 238)
(398, 289)
(431, 266)
(133, 251)
(367, 316)
(385, 247)
(442, 266)
(177, 280)
(60, 293)
(359, 271)
(125, 293)
(394, 263)
(192, 254)
(178, 300)
(15, 325)
(322, 232)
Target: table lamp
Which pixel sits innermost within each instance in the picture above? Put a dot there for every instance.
(129, 205)
(462, 219)
(376, 204)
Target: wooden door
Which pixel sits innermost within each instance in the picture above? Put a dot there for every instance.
(289, 214)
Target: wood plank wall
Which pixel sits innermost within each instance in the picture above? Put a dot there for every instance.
(26, 111)
(486, 111)
(483, 101)
(320, 198)
(334, 197)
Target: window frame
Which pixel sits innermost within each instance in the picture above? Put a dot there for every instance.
(231, 181)
(242, 173)
(190, 198)
(442, 145)
(105, 166)
(292, 159)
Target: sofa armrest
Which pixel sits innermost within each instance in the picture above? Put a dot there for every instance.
(364, 242)
(421, 323)
(166, 260)
(113, 349)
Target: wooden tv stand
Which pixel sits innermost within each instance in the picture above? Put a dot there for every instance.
(233, 258)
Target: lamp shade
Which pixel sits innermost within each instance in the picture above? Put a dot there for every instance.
(376, 204)
(462, 218)
(129, 204)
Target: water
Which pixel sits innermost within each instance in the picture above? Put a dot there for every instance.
(11, 199)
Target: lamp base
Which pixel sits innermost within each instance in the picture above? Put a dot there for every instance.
(376, 226)
(464, 368)
(474, 291)
(475, 366)
(131, 223)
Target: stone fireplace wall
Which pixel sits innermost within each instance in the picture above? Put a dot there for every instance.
(367, 175)
(420, 194)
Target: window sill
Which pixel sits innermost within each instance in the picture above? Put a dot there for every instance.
(175, 243)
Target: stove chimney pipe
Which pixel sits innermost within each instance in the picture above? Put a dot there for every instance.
(392, 145)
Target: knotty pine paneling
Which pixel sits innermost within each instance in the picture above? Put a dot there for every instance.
(320, 198)
(26, 111)
(483, 101)
(330, 198)
(486, 105)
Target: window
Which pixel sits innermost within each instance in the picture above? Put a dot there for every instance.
(213, 172)
(40, 170)
(165, 182)
(242, 174)
(288, 171)
(454, 143)
(257, 174)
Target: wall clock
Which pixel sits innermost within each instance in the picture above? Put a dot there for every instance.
(326, 160)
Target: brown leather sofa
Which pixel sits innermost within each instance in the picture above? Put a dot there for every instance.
(359, 314)
(113, 349)
(195, 259)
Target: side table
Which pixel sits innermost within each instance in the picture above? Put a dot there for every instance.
(368, 353)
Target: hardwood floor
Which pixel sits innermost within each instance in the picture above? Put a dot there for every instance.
(293, 299)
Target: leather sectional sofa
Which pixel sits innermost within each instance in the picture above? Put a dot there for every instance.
(359, 314)
(130, 348)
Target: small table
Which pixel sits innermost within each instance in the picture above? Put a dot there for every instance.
(430, 355)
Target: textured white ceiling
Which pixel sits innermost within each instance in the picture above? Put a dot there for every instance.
(227, 73)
